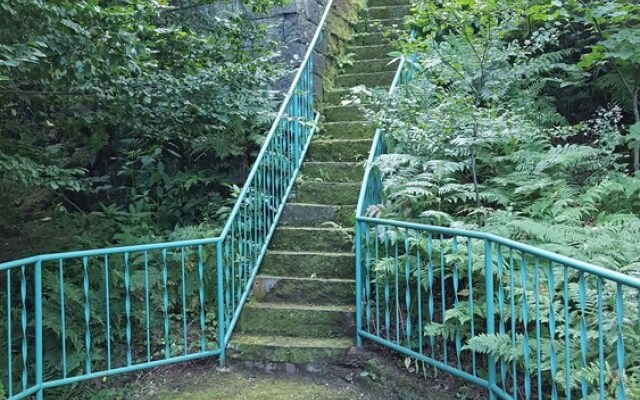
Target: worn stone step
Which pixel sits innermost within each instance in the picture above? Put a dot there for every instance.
(382, 3)
(368, 66)
(327, 193)
(277, 289)
(316, 215)
(297, 320)
(306, 264)
(346, 130)
(372, 79)
(370, 52)
(335, 96)
(352, 150)
(285, 349)
(368, 39)
(377, 25)
(386, 12)
(331, 171)
(292, 239)
(343, 113)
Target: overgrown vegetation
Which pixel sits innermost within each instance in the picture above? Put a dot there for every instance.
(522, 120)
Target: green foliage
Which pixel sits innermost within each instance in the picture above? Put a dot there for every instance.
(476, 142)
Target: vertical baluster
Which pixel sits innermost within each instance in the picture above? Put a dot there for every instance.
(552, 330)
(377, 276)
(600, 339)
(9, 338)
(367, 275)
(431, 301)
(620, 342)
(234, 298)
(583, 331)
(63, 320)
(445, 357)
(472, 311)
(488, 283)
(227, 286)
(525, 323)
(127, 306)
(167, 349)
(87, 314)
(419, 291)
(536, 291)
(407, 273)
(23, 318)
(39, 349)
(106, 309)
(512, 284)
(501, 319)
(396, 288)
(203, 344)
(147, 310)
(457, 338)
(567, 338)
(387, 300)
(185, 329)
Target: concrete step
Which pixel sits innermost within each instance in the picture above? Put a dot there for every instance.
(296, 239)
(297, 320)
(377, 25)
(368, 66)
(381, 3)
(351, 150)
(370, 52)
(386, 12)
(316, 215)
(335, 96)
(284, 349)
(327, 193)
(343, 113)
(333, 171)
(368, 39)
(372, 79)
(346, 130)
(310, 291)
(306, 264)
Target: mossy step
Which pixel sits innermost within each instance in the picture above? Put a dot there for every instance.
(339, 150)
(315, 215)
(381, 3)
(377, 25)
(297, 320)
(285, 349)
(386, 12)
(303, 239)
(371, 79)
(327, 193)
(346, 130)
(343, 113)
(371, 52)
(307, 264)
(368, 66)
(335, 96)
(368, 39)
(317, 291)
(333, 171)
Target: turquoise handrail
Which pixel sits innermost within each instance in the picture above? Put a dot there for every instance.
(178, 301)
(415, 295)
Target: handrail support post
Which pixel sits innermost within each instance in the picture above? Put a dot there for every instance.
(488, 280)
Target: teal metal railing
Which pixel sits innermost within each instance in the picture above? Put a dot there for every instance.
(74, 316)
(516, 320)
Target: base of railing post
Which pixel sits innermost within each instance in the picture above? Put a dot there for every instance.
(358, 244)
(222, 360)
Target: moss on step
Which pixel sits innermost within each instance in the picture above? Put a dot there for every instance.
(327, 193)
(371, 52)
(315, 215)
(382, 3)
(333, 171)
(386, 12)
(339, 150)
(308, 264)
(312, 240)
(273, 289)
(343, 113)
(377, 25)
(297, 320)
(282, 349)
(383, 64)
(369, 79)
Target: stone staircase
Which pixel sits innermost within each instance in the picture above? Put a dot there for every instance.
(302, 306)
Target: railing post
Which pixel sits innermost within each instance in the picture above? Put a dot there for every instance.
(221, 317)
(358, 244)
(488, 281)
(38, 329)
